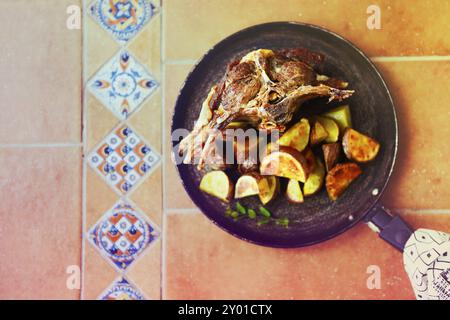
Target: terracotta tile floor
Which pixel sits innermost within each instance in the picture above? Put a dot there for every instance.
(192, 27)
(40, 221)
(54, 116)
(212, 264)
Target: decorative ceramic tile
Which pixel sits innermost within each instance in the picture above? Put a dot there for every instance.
(121, 290)
(123, 19)
(123, 159)
(122, 84)
(122, 234)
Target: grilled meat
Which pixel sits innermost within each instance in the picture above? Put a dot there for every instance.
(264, 88)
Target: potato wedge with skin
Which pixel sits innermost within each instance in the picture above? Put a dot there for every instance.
(359, 147)
(287, 163)
(310, 160)
(297, 136)
(342, 116)
(331, 127)
(318, 133)
(217, 184)
(246, 186)
(315, 180)
(294, 192)
(339, 178)
(269, 186)
(331, 154)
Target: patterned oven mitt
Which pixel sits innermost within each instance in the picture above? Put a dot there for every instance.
(426, 257)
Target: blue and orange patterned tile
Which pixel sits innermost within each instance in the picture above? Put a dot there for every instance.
(122, 84)
(123, 234)
(123, 19)
(121, 289)
(124, 159)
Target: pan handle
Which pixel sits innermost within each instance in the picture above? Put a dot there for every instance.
(392, 229)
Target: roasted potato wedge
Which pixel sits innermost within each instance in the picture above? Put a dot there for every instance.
(342, 116)
(359, 147)
(318, 133)
(294, 192)
(297, 136)
(315, 179)
(246, 186)
(331, 127)
(310, 160)
(269, 186)
(331, 154)
(217, 184)
(339, 178)
(287, 163)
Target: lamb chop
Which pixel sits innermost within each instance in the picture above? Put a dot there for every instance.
(264, 88)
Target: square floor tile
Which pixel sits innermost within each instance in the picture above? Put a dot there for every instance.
(122, 84)
(124, 159)
(122, 234)
(123, 19)
(40, 222)
(40, 71)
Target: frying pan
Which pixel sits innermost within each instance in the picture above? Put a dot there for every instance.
(318, 218)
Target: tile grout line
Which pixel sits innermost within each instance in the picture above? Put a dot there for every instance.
(42, 145)
(84, 173)
(409, 58)
(180, 62)
(421, 211)
(186, 211)
(163, 151)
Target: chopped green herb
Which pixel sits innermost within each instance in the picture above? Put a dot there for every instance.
(234, 214)
(264, 212)
(251, 214)
(240, 208)
(263, 221)
(228, 211)
(283, 222)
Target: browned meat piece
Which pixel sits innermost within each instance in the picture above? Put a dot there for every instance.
(290, 73)
(243, 85)
(313, 59)
(264, 88)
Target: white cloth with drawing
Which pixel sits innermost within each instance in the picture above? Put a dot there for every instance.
(426, 257)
